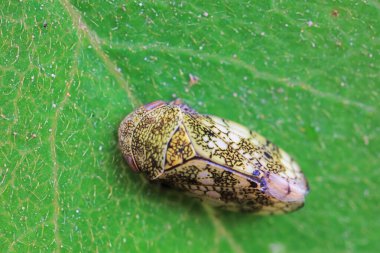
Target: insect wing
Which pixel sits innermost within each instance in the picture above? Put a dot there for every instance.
(231, 145)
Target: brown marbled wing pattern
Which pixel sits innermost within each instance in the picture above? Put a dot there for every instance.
(224, 146)
(211, 158)
(223, 188)
(285, 179)
(151, 137)
(179, 148)
(231, 145)
(228, 143)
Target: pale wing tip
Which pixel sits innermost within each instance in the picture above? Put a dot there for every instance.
(293, 190)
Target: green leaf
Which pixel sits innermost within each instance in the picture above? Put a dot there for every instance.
(305, 75)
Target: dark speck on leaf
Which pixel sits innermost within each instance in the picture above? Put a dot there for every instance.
(335, 13)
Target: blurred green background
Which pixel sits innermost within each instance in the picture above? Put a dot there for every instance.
(305, 74)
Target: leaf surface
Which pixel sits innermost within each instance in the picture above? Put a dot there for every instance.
(305, 75)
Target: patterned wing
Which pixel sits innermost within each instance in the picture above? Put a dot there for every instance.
(231, 145)
(284, 176)
(224, 188)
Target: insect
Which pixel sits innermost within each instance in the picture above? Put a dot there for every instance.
(212, 158)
